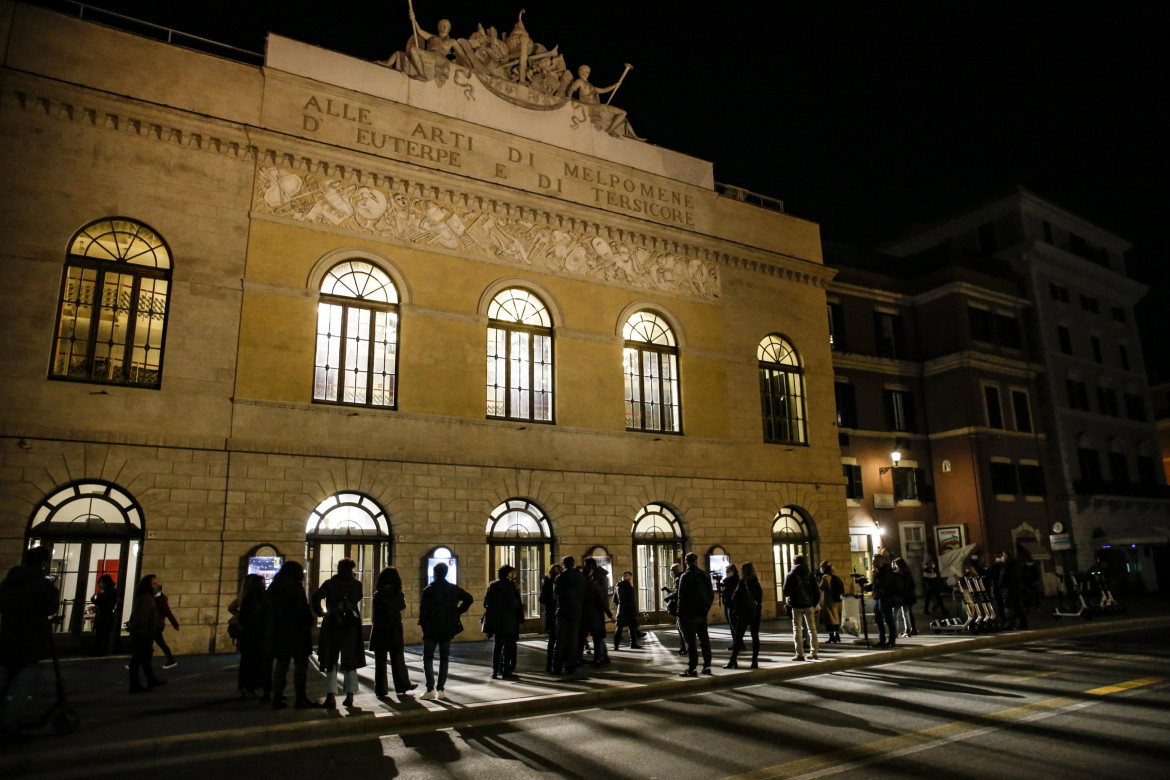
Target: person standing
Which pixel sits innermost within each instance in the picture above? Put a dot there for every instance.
(802, 596)
(569, 591)
(503, 615)
(748, 600)
(885, 589)
(164, 614)
(386, 637)
(595, 612)
(932, 587)
(105, 601)
(627, 614)
(695, 596)
(252, 619)
(27, 600)
(289, 634)
(671, 591)
(439, 609)
(548, 607)
(340, 646)
(727, 588)
(142, 624)
(908, 597)
(832, 594)
(1009, 591)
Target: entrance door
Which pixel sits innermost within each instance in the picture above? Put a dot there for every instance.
(658, 544)
(528, 560)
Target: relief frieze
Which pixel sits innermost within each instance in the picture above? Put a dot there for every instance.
(316, 199)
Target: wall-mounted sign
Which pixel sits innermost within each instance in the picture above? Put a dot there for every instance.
(1060, 542)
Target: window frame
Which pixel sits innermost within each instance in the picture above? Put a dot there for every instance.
(787, 369)
(535, 332)
(662, 354)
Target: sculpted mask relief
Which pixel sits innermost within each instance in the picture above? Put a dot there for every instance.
(321, 200)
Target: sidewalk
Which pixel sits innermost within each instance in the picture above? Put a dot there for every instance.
(200, 711)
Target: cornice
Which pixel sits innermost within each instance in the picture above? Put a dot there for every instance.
(876, 365)
(971, 290)
(870, 293)
(985, 432)
(969, 359)
(266, 148)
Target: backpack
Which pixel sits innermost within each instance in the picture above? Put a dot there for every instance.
(836, 588)
(346, 614)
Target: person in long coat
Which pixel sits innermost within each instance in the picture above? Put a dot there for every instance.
(105, 602)
(386, 638)
(909, 599)
(340, 646)
(747, 599)
(143, 618)
(627, 613)
(290, 633)
(727, 588)
(255, 662)
(594, 614)
(503, 615)
(548, 608)
(440, 610)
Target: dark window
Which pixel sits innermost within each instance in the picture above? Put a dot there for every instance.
(1004, 481)
(1059, 293)
(1096, 344)
(1078, 395)
(982, 328)
(1007, 331)
(1118, 468)
(1047, 231)
(1065, 339)
(1031, 480)
(890, 334)
(1022, 412)
(1118, 314)
(994, 410)
(988, 242)
(899, 410)
(1089, 304)
(846, 405)
(1123, 356)
(1145, 469)
(1107, 401)
(1135, 407)
(907, 484)
(1090, 464)
(836, 327)
(852, 481)
(1078, 244)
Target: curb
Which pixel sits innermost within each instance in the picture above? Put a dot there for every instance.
(258, 738)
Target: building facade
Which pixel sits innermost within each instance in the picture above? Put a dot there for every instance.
(320, 307)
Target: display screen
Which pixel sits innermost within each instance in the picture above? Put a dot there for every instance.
(266, 566)
(443, 555)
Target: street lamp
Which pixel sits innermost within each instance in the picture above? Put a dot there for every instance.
(895, 456)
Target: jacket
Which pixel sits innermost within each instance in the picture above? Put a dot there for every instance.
(27, 600)
(800, 589)
(439, 609)
(290, 621)
(727, 591)
(503, 609)
(627, 604)
(163, 606)
(695, 593)
(339, 641)
(569, 590)
(748, 599)
(595, 608)
(885, 586)
(389, 604)
(143, 615)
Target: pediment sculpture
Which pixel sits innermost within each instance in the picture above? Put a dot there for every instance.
(513, 67)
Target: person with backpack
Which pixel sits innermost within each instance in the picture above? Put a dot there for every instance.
(832, 594)
(748, 600)
(695, 596)
(340, 646)
(802, 596)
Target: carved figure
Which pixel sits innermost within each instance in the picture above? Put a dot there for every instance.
(603, 116)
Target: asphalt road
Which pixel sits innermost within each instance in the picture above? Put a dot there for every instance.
(1092, 708)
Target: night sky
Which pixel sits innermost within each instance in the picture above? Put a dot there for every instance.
(864, 117)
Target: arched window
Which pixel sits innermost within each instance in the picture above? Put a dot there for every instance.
(347, 525)
(658, 543)
(518, 535)
(781, 392)
(651, 368)
(92, 528)
(793, 534)
(519, 357)
(357, 337)
(112, 315)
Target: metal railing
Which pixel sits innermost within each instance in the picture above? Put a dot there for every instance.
(747, 196)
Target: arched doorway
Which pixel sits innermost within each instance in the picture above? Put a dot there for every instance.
(793, 534)
(658, 543)
(93, 528)
(348, 525)
(518, 535)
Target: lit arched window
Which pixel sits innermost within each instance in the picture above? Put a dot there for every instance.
(792, 535)
(781, 392)
(93, 528)
(519, 357)
(651, 367)
(518, 535)
(658, 543)
(111, 323)
(347, 525)
(357, 337)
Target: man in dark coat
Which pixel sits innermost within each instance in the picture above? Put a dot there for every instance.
(290, 633)
(503, 615)
(439, 609)
(1009, 603)
(627, 614)
(802, 596)
(885, 592)
(569, 591)
(341, 646)
(27, 600)
(695, 595)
